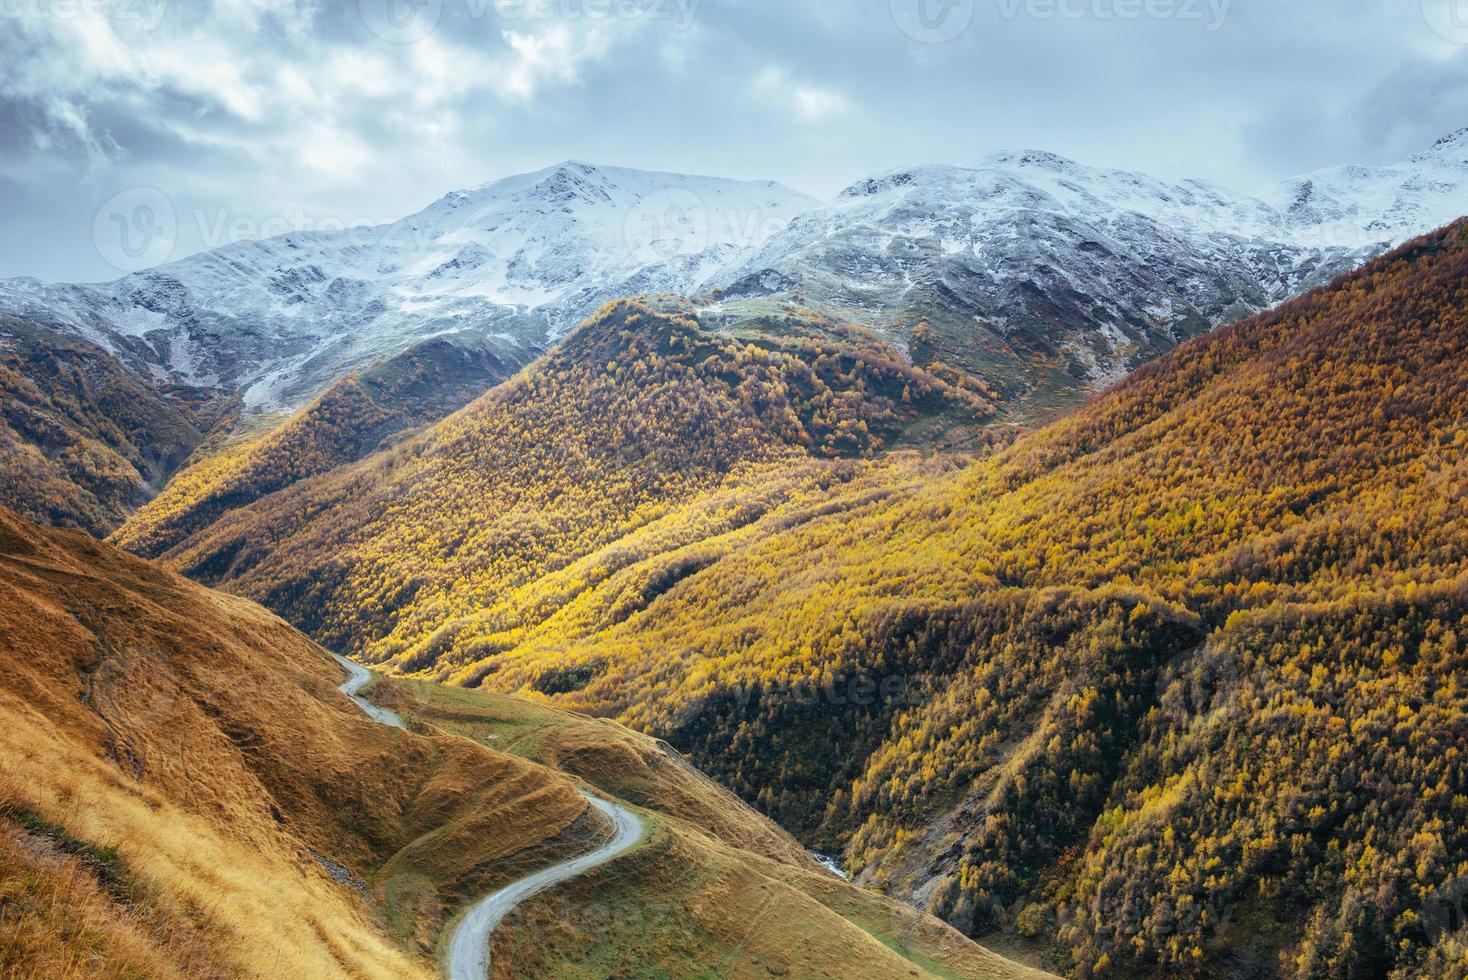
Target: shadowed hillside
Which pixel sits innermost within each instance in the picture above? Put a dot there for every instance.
(83, 442)
(355, 417)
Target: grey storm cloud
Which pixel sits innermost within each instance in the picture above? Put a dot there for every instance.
(257, 116)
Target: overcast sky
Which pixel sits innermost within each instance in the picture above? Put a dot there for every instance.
(257, 116)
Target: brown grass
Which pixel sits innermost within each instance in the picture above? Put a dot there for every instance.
(715, 891)
(201, 740)
(69, 909)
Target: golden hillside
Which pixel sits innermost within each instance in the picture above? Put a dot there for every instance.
(177, 764)
(1173, 686)
(184, 792)
(635, 415)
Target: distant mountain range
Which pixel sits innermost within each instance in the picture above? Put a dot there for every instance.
(1049, 278)
(507, 265)
(1041, 275)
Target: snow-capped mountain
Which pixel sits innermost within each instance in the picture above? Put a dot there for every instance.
(1045, 276)
(1380, 203)
(1033, 269)
(514, 263)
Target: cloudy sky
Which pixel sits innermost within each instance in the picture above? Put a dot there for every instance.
(252, 117)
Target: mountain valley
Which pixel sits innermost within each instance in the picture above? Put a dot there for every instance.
(184, 792)
(1076, 557)
(1000, 686)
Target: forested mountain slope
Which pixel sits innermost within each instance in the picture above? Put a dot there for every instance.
(1176, 684)
(357, 416)
(634, 416)
(83, 441)
(1173, 686)
(184, 792)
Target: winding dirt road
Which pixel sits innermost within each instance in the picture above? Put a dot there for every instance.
(469, 945)
(358, 677)
(468, 955)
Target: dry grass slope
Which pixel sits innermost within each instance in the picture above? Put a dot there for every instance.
(716, 891)
(173, 758)
(183, 792)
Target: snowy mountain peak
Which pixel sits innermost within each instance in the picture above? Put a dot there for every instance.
(517, 260)
(1027, 256)
(894, 180)
(1031, 160)
(1452, 147)
(1359, 205)
(521, 259)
